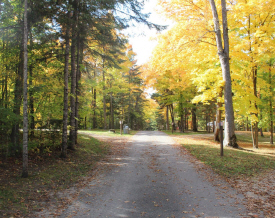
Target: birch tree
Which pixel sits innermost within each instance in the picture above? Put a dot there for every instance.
(223, 52)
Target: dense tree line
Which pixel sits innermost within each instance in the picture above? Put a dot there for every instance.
(196, 62)
(81, 71)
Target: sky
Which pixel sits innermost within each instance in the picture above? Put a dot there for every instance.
(141, 37)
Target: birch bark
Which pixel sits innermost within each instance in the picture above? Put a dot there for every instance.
(223, 52)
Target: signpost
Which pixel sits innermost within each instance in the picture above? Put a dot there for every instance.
(172, 127)
(221, 136)
(121, 122)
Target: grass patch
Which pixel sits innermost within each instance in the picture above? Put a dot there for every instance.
(169, 132)
(234, 163)
(47, 174)
(245, 136)
(106, 132)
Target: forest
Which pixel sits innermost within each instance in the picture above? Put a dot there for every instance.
(70, 66)
(81, 71)
(187, 67)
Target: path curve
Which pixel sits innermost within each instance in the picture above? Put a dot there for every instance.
(154, 179)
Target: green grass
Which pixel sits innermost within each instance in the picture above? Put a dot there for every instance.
(48, 174)
(234, 163)
(169, 132)
(106, 132)
(245, 136)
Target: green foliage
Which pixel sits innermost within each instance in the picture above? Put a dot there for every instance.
(8, 119)
(49, 174)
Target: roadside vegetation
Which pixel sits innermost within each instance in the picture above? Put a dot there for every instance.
(48, 174)
(109, 133)
(245, 161)
(169, 132)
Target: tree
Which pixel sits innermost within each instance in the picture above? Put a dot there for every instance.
(223, 52)
(66, 87)
(25, 94)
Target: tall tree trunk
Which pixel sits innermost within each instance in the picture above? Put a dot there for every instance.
(181, 114)
(213, 123)
(261, 131)
(254, 125)
(6, 91)
(31, 103)
(66, 88)
(172, 117)
(104, 100)
(72, 98)
(206, 121)
(94, 109)
(230, 138)
(78, 77)
(25, 94)
(130, 105)
(73, 80)
(261, 118)
(31, 92)
(18, 94)
(112, 111)
(167, 118)
(194, 119)
(181, 122)
(186, 119)
(270, 107)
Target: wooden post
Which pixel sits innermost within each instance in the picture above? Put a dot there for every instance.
(221, 137)
(120, 122)
(172, 128)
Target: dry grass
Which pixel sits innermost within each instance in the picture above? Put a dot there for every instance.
(243, 137)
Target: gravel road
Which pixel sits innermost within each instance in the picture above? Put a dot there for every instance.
(154, 179)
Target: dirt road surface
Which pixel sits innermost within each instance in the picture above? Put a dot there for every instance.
(154, 179)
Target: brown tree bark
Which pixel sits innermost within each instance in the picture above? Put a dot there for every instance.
(181, 114)
(112, 111)
(255, 129)
(270, 105)
(72, 140)
(94, 110)
(218, 120)
(32, 125)
(78, 77)
(186, 118)
(25, 94)
(66, 91)
(172, 117)
(194, 119)
(18, 95)
(181, 123)
(167, 118)
(104, 99)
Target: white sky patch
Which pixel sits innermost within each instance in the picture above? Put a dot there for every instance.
(143, 40)
(149, 92)
(141, 37)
